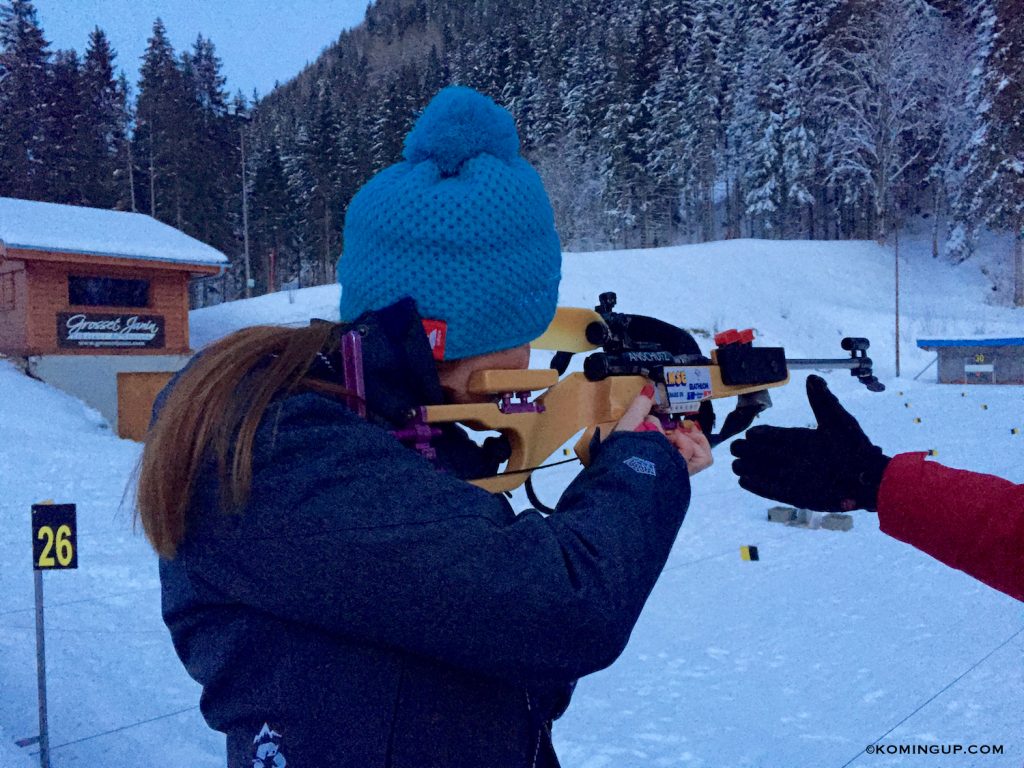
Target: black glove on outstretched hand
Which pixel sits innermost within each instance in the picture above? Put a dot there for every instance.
(829, 469)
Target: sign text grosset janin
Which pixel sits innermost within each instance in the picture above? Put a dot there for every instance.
(82, 330)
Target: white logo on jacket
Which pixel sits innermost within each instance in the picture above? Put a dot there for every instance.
(268, 751)
(641, 466)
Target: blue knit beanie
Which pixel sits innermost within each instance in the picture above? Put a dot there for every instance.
(463, 226)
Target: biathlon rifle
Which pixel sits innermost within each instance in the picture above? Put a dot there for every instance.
(624, 350)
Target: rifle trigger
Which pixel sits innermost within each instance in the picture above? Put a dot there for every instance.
(560, 362)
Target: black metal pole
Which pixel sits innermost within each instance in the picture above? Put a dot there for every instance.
(44, 733)
(245, 218)
(897, 259)
(844, 362)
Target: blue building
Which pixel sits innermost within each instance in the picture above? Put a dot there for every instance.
(978, 361)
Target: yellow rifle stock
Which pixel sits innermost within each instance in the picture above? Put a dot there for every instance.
(570, 404)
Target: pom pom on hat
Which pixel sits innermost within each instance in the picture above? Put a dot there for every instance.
(463, 226)
(460, 124)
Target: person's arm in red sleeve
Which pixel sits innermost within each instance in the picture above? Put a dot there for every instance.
(967, 520)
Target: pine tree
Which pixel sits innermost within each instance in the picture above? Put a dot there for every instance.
(399, 105)
(126, 160)
(548, 85)
(1008, 112)
(66, 160)
(627, 126)
(969, 169)
(882, 105)
(804, 26)
(156, 140)
(700, 126)
(105, 126)
(323, 155)
(210, 176)
(737, 109)
(591, 77)
(271, 205)
(665, 145)
(435, 75)
(766, 198)
(25, 100)
(760, 127)
(953, 123)
(996, 178)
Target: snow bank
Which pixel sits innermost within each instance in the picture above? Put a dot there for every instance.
(282, 308)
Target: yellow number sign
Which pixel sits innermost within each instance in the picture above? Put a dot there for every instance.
(54, 537)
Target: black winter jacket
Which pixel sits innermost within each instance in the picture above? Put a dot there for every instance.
(370, 609)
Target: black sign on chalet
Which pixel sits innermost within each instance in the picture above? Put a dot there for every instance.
(89, 330)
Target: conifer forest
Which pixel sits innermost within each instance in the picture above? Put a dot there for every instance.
(652, 122)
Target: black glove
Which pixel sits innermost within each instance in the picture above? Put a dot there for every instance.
(830, 469)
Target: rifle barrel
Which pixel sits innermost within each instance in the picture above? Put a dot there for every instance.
(850, 363)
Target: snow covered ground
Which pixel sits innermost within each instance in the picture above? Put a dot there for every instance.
(832, 641)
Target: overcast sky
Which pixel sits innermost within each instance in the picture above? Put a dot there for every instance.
(258, 41)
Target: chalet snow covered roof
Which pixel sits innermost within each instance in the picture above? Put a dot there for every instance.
(31, 225)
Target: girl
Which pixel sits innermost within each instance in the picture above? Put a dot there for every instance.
(345, 600)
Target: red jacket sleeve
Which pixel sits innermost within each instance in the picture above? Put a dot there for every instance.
(968, 520)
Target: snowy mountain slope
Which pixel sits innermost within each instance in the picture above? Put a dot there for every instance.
(800, 659)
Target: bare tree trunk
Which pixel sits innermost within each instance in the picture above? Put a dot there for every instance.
(152, 179)
(709, 209)
(326, 272)
(177, 202)
(272, 267)
(937, 202)
(131, 174)
(881, 209)
(644, 239)
(1018, 266)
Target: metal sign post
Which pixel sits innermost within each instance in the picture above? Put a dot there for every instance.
(54, 547)
(44, 728)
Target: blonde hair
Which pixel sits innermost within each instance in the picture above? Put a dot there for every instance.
(213, 412)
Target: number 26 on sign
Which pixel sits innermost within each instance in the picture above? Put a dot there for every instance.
(54, 537)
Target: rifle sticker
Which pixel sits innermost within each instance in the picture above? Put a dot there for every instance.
(686, 387)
